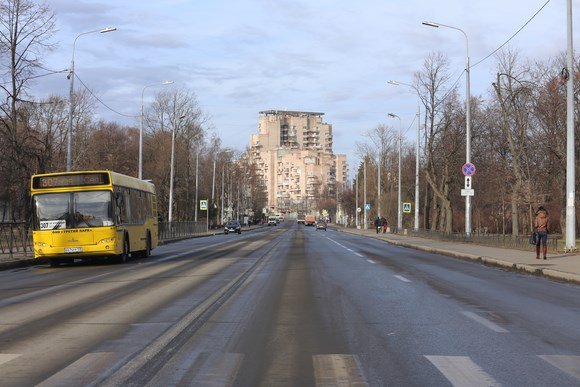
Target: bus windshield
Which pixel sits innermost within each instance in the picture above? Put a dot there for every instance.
(73, 210)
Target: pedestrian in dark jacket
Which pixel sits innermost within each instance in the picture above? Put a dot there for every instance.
(378, 224)
(542, 224)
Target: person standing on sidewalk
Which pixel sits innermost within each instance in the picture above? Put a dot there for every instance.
(378, 224)
(541, 224)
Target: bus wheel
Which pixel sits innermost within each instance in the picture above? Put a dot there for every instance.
(124, 257)
(147, 252)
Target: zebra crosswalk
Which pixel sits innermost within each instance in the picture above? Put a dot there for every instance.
(329, 370)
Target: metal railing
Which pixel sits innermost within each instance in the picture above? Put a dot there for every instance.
(519, 242)
(177, 230)
(15, 237)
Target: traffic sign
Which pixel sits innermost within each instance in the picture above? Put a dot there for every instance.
(367, 207)
(203, 205)
(468, 169)
(407, 208)
(467, 192)
(467, 182)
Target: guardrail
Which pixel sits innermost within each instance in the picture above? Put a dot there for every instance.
(177, 230)
(15, 237)
(519, 242)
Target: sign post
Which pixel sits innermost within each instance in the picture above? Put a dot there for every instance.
(468, 170)
(203, 207)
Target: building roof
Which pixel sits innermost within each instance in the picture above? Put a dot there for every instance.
(291, 113)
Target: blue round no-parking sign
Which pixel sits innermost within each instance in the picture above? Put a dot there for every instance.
(468, 169)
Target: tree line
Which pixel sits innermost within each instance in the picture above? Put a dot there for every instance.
(33, 134)
(518, 145)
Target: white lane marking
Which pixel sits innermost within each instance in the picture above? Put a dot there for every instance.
(338, 370)
(568, 364)
(218, 370)
(370, 261)
(400, 277)
(485, 322)
(346, 248)
(6, 357)
(462, 371)
(85, 370)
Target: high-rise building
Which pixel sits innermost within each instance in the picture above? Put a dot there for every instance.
(293, 154)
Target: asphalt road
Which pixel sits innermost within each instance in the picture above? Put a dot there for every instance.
(286, 306)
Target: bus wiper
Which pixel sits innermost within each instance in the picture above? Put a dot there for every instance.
(62, 217)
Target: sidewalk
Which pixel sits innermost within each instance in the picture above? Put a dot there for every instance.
(564, 267)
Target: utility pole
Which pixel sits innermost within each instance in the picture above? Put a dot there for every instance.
(570, 154)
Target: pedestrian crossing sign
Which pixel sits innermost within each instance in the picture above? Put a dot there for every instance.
(203, 205)
(407, 208)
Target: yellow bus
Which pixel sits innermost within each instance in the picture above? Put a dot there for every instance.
(92, 214)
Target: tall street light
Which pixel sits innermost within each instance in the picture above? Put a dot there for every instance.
(71, 77)
(170, 215)
(467, 119)
(141, 125)
(365, 223)
(396, 83)
(399, 213)
(570, 153)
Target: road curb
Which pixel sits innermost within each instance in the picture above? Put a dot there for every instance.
(489, 261)
(17, 263)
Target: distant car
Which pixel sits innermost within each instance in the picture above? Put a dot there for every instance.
(320, 225)
(272, 221)
(232, 226)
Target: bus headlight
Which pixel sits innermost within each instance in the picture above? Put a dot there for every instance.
(40, 244)
(107, 240)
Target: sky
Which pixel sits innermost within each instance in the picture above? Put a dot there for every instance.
(331, 56)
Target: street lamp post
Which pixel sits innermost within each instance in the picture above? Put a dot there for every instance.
(570, 152)
(140, 173)
(365, 225)
(170, 215)
(399, 213)
(196, 180)
(71, 77)
(356, 219)
(416, 228)
(467, 119)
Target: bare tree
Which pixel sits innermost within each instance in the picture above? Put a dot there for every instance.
(514, 96)
(25, 32)
(442, 137)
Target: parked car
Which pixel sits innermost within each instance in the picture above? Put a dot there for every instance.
(232, 226)
(320, 225)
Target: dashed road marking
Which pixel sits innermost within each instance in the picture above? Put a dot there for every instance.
(400, 277)
(485, 322)
(359, 255)
(370, 261)
(462, 371)
(568, 364)
(338, 370)
(6, 357)
(85, 370)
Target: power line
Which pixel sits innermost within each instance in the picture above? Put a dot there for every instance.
(101, 102)
(511, 37)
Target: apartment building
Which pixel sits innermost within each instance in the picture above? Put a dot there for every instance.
(293, 153)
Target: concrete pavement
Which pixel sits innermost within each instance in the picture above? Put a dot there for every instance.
(564, 267)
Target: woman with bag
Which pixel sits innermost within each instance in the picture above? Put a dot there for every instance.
(541, 224)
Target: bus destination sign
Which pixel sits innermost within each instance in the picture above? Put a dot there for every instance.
(70, 180)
